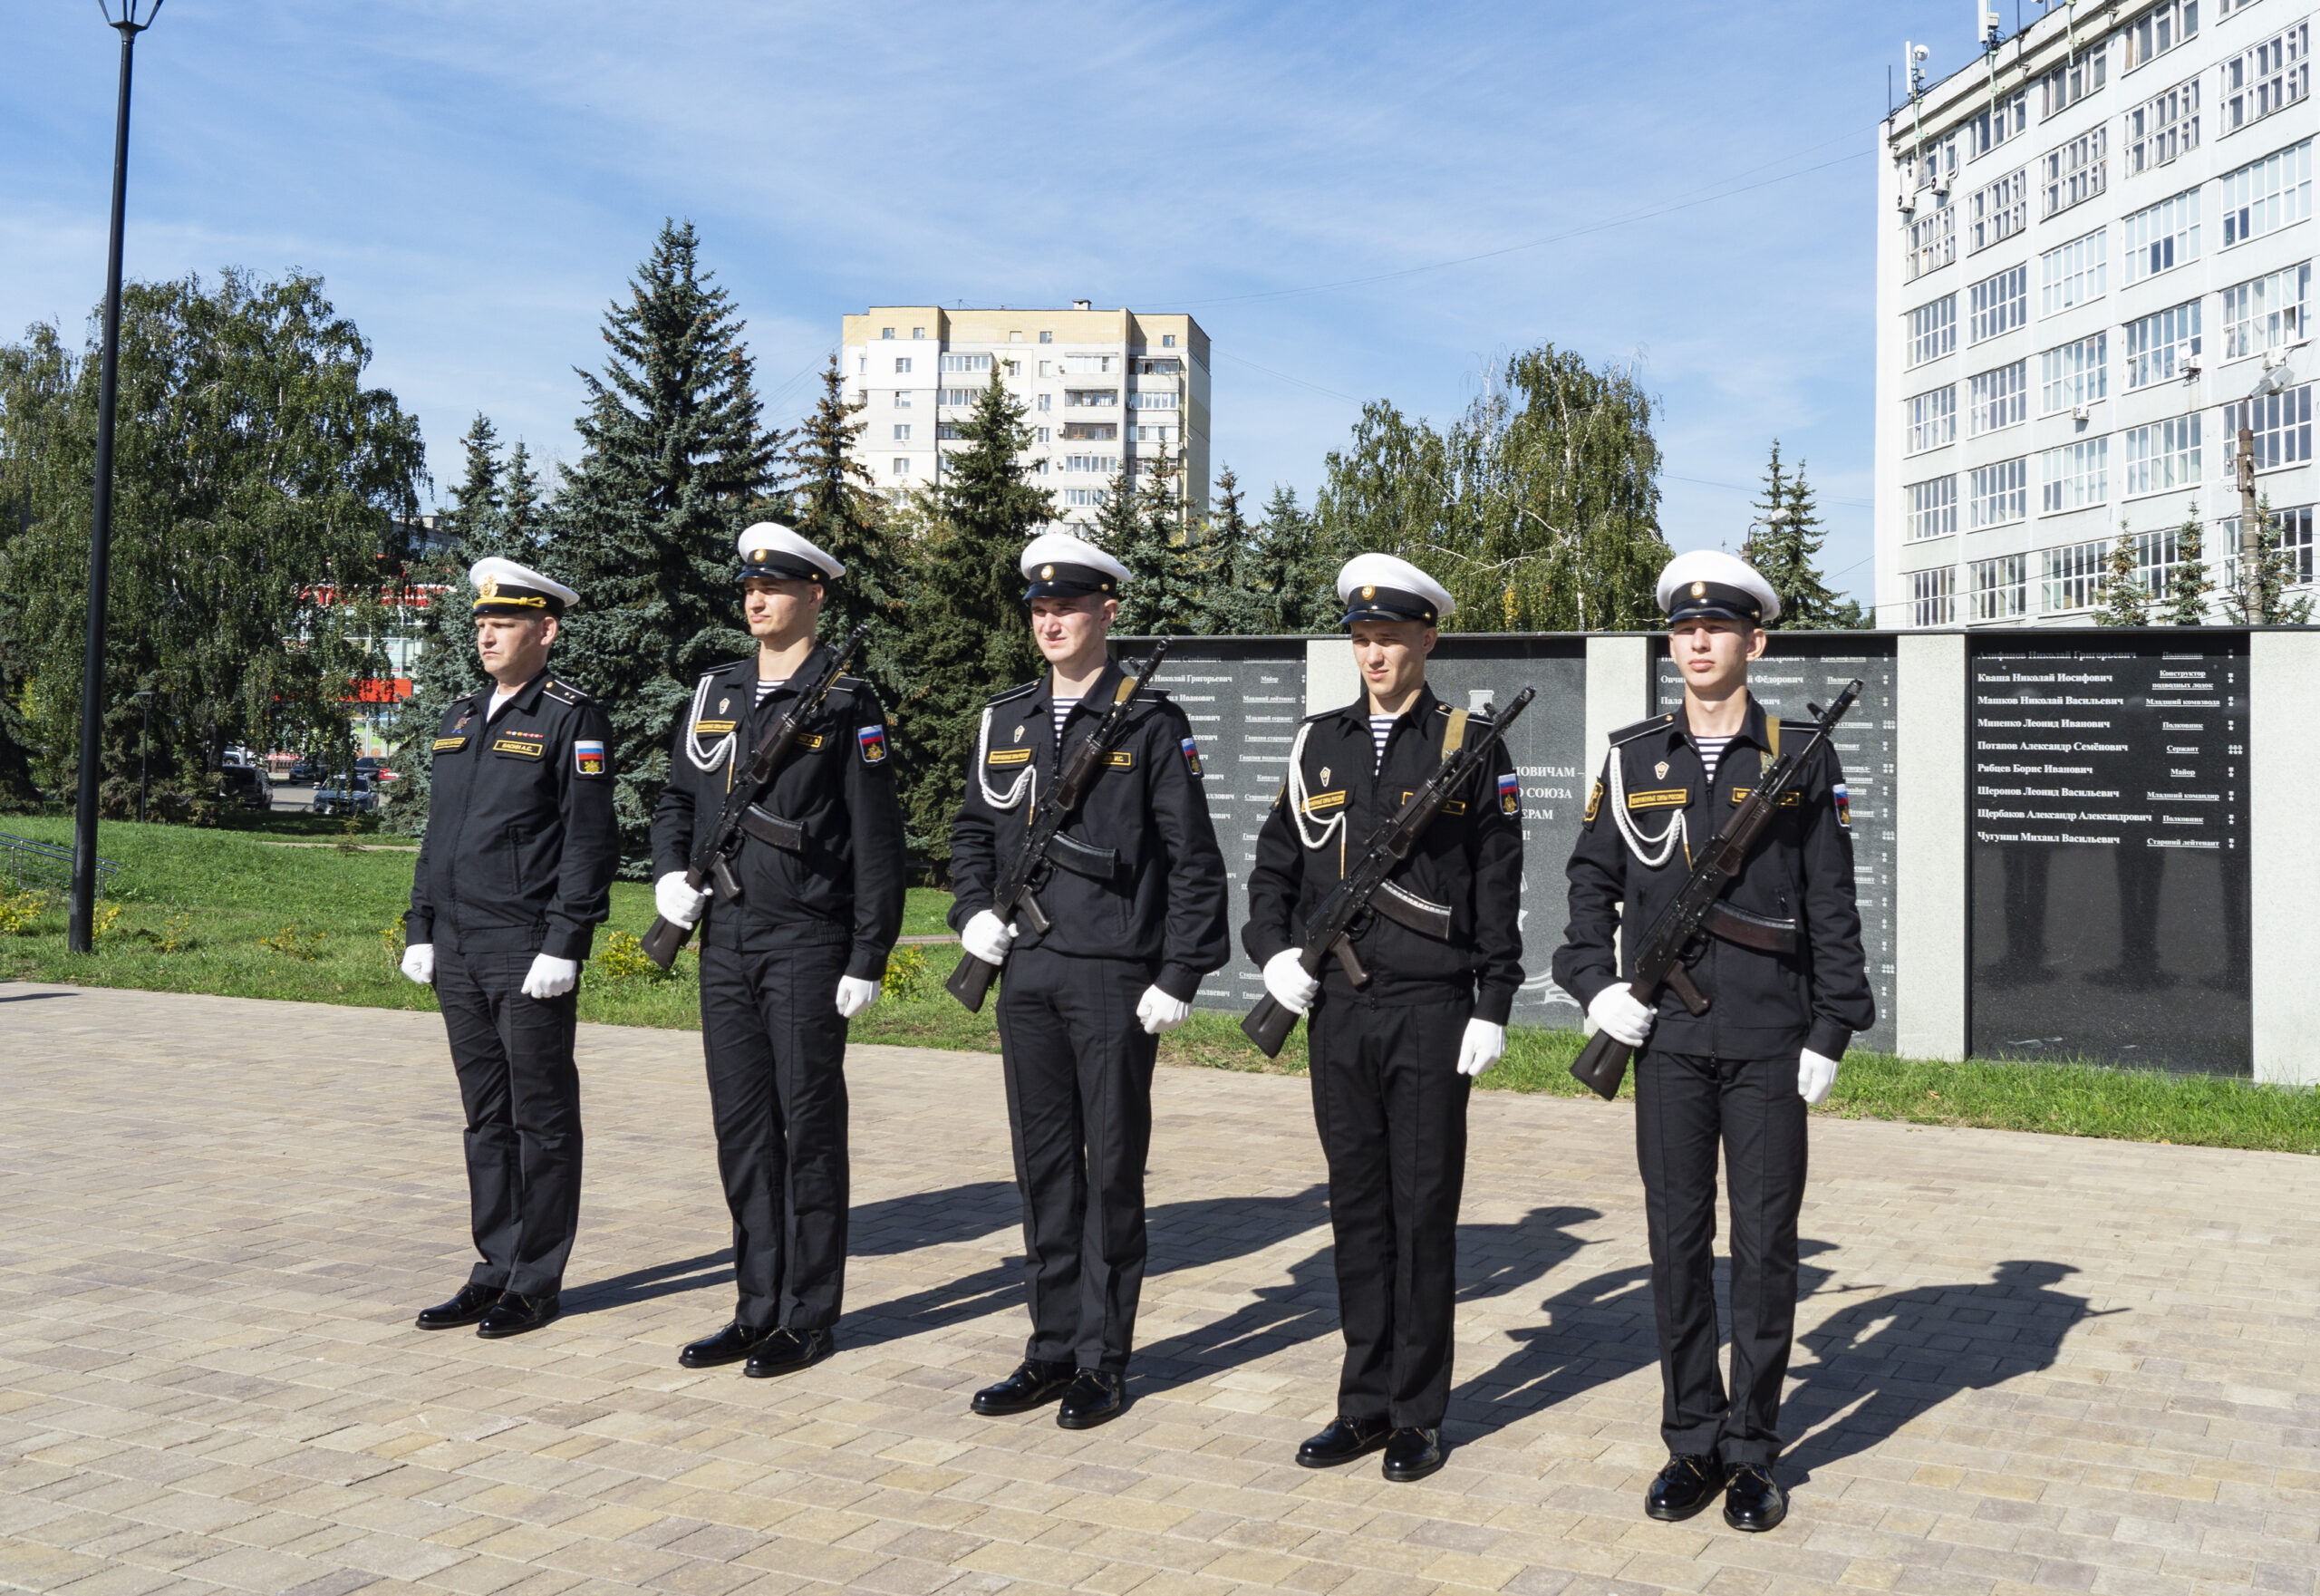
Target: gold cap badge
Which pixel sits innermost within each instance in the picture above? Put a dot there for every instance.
(491, 588)
(1047, 572)
(1699, 590)
(1369, 593)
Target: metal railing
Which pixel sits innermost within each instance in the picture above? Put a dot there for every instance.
(26, 864)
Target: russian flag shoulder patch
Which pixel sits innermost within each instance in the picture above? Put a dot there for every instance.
(588, 757)
(1192, 755)
(1510, 794)
(871, 740)
(1844, 805)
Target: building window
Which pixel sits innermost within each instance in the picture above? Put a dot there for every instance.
(1159, 368)
(1934, 164)
(2157, 557)
(1998, 210)
(1930, 240)
(1141, 400)
(1046, 337)
(2074, 475)
(1106, 464)
(1090, 498)
(2074, 274)
(1040, 435)
(861, 397)
(1932, 419)
(1997, 494)
(958, 396)
(2073, 172)
(901, 431)
(901, 465)
(1987, 131)
(2160, 30)
(886, 332)
(1167, 341)
(902, 399)
(1997, 399)
(918, 332)
(2267, 195)
(2069, 576)
(2265, 313)
(1090, 365)
(2073, 80)
(2163, 127)
(1091, 432)
(2161, 457)
(966, 363)
(2293, 527)
(2161, 344)
(1933, 329)
(2272, 76)
(2074, 374)
(948, 432)
(901, 364)
(2282, 424)
(1933, 509)
(1998, 589)
(1933, 597)
(2159, 238)
(1090, 397)
(1156, 434)
(1999, 305)
(861, 365)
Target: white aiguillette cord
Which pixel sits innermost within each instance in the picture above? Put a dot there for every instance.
(1666, 843)
(708, 759)
(1316, 841)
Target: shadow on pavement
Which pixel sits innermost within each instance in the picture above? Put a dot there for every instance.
(929, 1219)
(33, 997)
(661, 1280)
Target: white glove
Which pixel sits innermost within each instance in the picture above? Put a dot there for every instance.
(854, 995)
(987, 937)
(1619, 1011)
(675, 901)
(550, 977)
(1815, 1074)
(1156, 1012)
(1286, 980)
(1483, 1045)
(419, 963)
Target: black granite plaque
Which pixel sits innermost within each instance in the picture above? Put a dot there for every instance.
(1803, 668)
(2108, 826)
(1245, 697)
(1548, 746)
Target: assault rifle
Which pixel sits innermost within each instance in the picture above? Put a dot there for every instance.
(1365, 888)
(1047, 846)
(1603, 1063)
(712, 861)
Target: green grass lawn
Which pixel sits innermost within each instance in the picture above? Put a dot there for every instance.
(259, 911)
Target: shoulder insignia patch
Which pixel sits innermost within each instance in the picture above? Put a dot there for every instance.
(872, 741)
(1510, 794)
(1192, 754)
(1012, 692)
(1844, 805)
(1629, 734)
(588, 758)
(1594, 802)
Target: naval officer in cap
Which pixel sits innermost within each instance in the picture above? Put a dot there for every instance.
(1393, 1060)
(800, 952)
(514, 875)
(1741, 1075)
(1081, 1007)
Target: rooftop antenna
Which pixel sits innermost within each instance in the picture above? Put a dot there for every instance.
(1987, 26)
(1915, 55)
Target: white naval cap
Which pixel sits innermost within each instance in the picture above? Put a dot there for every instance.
(503, 587)
(770, 550)
(1059, 566)
(1710, 582)
(1382, 587)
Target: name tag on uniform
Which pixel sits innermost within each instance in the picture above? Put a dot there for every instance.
(508, 745)
(1121, 760)
(809, 741)
(1667, 797)
(449, 745)
(1008, 756)
(1788, 801)
(713, 728)
(1449, 806)
(1316, 802)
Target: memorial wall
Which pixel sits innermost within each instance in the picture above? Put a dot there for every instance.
(2109, 866)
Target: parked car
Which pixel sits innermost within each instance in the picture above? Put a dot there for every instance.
(310, 768)
(358, 799)
(375, 769)
(245, 787)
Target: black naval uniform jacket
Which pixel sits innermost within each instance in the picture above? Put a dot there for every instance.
(1166, 902)
(1469, 858)
(845, 885)
(1761, 1005)
(521, 843)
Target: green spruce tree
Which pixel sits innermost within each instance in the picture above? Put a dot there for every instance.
(966, 633)
(1229, 606)
(2119, 597)
(1783, 546)
(1169, 569)
(1288, 569)
(2190, 585)
(676, 460)
(837, 507)
(2276, 573)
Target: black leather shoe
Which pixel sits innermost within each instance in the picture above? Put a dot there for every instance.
(1344, 1440)
(1682, 1488)
(1094, 1398)
(1412, 1454)
(731, 1345)
(1751, 1501)
(1034, 1384)
(515, 1313)
(787, 1350)
(472, 1304)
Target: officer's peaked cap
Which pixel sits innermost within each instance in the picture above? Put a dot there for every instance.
(1382, 587)
(1708, 582)
(503, 587)
(1058, 566)
(772, 551)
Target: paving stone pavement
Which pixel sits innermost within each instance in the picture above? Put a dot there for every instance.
(2027, 1363)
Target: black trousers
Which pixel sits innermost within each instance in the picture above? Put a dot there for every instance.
(1079, 1070)
(1391, 1108)
(521, 1091)
(776, 1048)
(1686, 1106)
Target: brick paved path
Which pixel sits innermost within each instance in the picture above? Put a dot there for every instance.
(2027, 1362)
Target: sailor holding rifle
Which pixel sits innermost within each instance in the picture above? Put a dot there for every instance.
(1744, 1034)
(1395, 1055)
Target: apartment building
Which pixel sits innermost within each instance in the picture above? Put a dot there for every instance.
(2095, 261)
(1103, 390)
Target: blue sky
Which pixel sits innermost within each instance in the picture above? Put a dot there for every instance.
(476, 182)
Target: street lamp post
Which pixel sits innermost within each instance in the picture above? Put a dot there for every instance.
(123, 17)
(144, 747)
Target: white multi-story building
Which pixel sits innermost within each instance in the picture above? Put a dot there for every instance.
(1103, 390)
(2095, 244)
